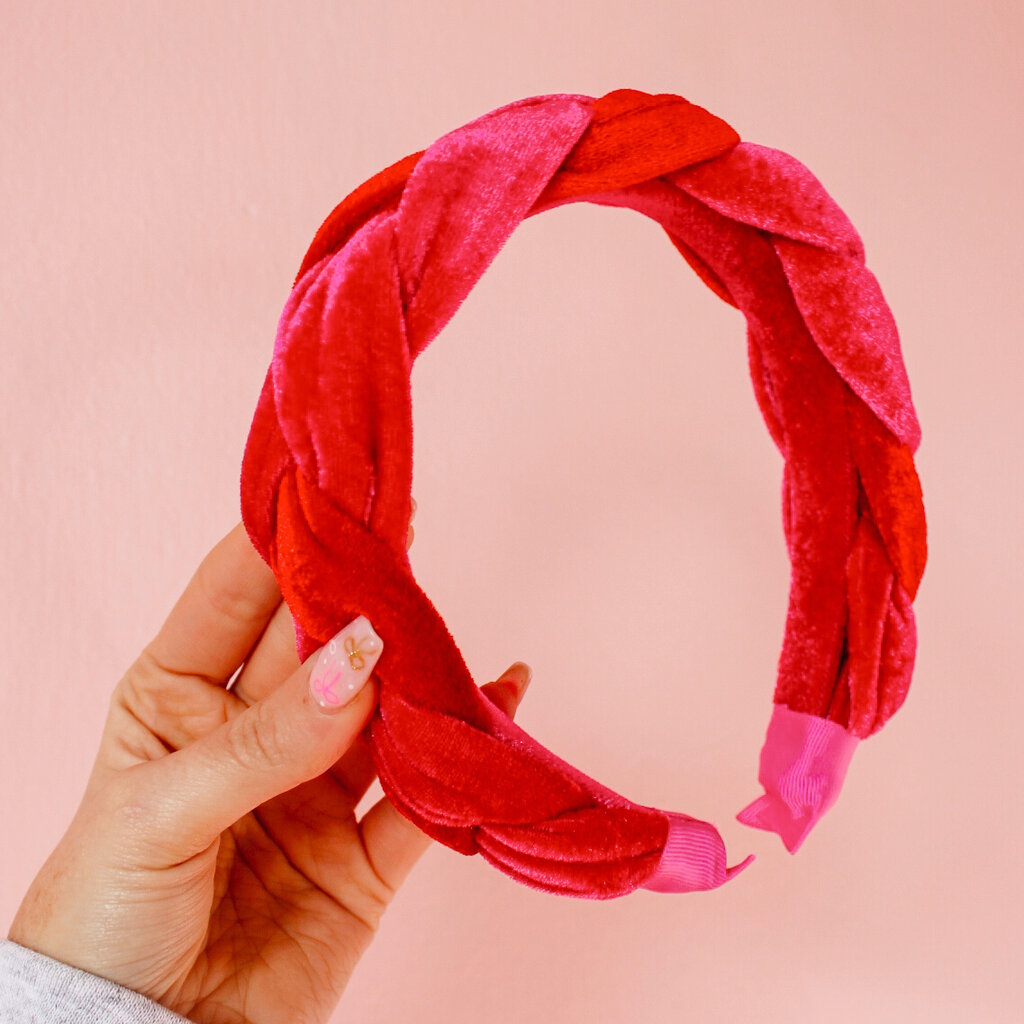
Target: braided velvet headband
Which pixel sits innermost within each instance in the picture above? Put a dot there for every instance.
(327, 471)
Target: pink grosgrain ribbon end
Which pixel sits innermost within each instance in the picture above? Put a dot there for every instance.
(803, 764)
(693, 858)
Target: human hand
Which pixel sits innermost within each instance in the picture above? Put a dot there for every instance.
(215, 863)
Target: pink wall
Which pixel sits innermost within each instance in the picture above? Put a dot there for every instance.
(597, 492)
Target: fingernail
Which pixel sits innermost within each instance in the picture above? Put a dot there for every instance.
(519, 675)
(526, 672)
(344, 664)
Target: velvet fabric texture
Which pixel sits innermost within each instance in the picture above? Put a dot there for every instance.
(327, 471)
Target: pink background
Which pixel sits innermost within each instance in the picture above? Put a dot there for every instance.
(597, 492)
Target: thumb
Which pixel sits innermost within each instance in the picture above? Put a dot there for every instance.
(294, 734)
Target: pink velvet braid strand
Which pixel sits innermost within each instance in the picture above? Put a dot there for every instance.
(328, 468)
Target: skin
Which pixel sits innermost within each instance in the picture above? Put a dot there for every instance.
(215, 863)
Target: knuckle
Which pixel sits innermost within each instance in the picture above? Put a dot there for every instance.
(255, 741)
(377, 897)
(134, 689)
(124, 812)
(120, 799)
(228, 599)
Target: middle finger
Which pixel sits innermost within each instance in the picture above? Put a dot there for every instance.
(272, 660)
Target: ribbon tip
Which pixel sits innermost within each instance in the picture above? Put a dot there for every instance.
(737, 868)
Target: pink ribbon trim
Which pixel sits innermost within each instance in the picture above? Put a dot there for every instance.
(693, 858)
(803, 764)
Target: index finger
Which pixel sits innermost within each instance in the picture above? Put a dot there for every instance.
(221, 614)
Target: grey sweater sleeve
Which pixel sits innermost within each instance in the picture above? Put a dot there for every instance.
(36, 989)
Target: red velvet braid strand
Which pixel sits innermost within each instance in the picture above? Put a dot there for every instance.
(327, 471)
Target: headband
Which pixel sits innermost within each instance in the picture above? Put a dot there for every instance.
(327, 471)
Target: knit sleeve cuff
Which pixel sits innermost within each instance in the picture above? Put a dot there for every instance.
(36, 989)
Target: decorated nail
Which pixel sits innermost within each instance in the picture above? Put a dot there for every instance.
(344, 665)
